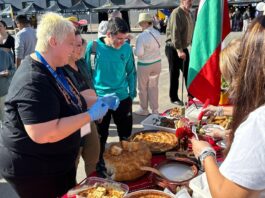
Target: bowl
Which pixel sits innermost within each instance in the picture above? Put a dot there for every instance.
(177, 173)
(148, 193)
(90, 183)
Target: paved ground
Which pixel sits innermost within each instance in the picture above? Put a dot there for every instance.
(164, 103)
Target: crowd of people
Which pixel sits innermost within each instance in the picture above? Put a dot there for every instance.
(59, 93)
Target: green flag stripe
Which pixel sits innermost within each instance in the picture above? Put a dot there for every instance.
(207, 36)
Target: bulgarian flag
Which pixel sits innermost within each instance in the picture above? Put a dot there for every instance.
(211, 28)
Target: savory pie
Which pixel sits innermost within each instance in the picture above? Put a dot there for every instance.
(102, 191)
(148, 194)
(124, 159)
(176, 112)
(159, 141)
(224, 121)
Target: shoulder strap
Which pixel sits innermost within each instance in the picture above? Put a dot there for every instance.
(154, 38)
(94, 47)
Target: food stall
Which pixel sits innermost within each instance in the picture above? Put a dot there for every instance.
(157, 159)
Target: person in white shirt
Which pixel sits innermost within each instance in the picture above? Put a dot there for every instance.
(242, 173)
(147, 50)
(25, 40)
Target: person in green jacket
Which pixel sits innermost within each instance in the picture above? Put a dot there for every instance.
(114, 72)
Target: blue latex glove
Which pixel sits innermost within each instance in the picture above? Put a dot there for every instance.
(111, 100)
(98, 110)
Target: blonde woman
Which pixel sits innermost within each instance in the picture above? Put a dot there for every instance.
(44, 112)
(228, 65)
(147, 50)
(229, 58)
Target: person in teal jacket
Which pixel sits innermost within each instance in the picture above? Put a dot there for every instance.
(113, 72)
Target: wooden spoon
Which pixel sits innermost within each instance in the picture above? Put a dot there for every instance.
(153, 170)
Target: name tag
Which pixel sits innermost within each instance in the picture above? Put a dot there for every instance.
(86, 129)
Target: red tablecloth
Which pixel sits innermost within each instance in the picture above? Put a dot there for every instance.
(145, 182)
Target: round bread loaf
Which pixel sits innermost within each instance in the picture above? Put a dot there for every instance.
(124, 159)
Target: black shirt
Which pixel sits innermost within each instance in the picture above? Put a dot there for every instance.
(10, 44)
(82, 79)
(34, 97)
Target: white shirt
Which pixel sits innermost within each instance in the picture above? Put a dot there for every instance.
(147, 48)
(245, 162)
(25, 42)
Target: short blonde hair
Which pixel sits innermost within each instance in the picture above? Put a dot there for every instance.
(229, 59)
(52, 25)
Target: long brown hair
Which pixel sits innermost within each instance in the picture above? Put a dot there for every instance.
(249, 85)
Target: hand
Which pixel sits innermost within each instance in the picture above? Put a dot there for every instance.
(98, 110)
(4, 73)
(181, 55)
(198, 146)
(217, 133)
(111, 100)
(210, 110)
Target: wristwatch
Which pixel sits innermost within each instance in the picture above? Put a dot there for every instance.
(205, 153)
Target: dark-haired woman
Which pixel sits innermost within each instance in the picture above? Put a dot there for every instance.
(242, 174)
(7, 42)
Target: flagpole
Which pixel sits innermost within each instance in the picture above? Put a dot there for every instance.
(182, 85)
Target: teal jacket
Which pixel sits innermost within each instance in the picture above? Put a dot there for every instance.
(113, 71)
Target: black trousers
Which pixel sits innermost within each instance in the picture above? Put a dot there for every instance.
(42, 186)
(122, 118)
(175, 65)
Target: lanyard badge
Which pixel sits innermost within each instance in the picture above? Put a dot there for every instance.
(59, 77)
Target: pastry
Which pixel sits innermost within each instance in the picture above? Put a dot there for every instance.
(102, 191)
(159, 141)
(123, 159)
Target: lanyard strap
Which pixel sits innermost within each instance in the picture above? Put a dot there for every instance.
(59, 77)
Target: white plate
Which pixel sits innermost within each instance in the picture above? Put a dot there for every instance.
(207, 128)
(148, 124)
(177, 172)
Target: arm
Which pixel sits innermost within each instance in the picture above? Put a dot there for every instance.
(219, 110)
(219, 185)
(175, 24)
(228, 110)
(18, 62)
(41, 113)
(131, 75)
(19, 49)
(56, 130)
(90, 97)
(139, 47)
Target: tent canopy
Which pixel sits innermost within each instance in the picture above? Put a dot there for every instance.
(9, 9)
(107, 6)
(32, 8)
(81, 6)
(158, 4)
(57, 7)
(135, 4)
(243, 1)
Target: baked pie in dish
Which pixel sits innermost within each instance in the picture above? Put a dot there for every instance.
(157, 141)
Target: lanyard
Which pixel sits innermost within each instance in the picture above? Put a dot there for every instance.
(59, 77)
